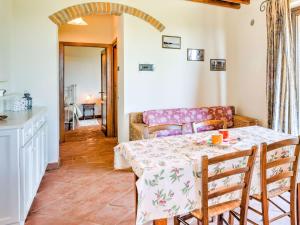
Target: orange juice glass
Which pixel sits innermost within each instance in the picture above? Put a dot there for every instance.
(217, 139)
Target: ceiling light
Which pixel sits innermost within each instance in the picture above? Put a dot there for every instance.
(78, 21)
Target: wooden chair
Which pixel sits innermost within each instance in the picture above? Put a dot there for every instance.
(290, 173)
(151, 132)
(219, 123)
(207, 211)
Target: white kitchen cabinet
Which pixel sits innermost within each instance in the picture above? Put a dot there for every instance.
(9, 173)
(23, 161)
(26, 178)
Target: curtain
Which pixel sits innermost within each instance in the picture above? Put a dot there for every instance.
(282, 96)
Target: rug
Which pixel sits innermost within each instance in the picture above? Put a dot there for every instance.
(87, 123)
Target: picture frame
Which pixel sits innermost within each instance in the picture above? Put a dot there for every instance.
(218, 65)
(171, 42)
(195, 54)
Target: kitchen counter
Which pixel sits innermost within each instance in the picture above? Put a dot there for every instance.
(18, 119)
(23, 162)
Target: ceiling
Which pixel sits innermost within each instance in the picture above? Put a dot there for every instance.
(234, 4)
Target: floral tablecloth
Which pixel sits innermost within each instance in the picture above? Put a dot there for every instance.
(169, 168)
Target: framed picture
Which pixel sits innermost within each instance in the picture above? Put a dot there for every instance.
(171, 42)
(218, 65)
(195, 54)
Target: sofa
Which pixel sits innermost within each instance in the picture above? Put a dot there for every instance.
(140, 121)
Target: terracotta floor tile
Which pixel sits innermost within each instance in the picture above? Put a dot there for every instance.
(41, 201)
(127, 200)
(109, 215)
(81, 191)
(38, 219)
(130, 219)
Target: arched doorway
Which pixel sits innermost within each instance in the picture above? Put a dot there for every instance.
(99, 8)
(63, 16)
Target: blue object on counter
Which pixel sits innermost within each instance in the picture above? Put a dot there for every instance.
(28, 100)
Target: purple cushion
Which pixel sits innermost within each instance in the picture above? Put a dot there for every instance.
(166, 133)
(159, 117)
(187, 116)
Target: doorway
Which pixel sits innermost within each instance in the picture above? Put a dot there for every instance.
(72, 110)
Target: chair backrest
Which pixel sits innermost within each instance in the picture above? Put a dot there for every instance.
(215, 123)
(151, 132)
(244, 186)
(288, 170)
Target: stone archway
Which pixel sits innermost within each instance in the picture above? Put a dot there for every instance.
(101, 8)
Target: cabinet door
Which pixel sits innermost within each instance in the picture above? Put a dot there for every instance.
(45, 146)
(35, 163)
(27, 178)
(9, 177)
(41, 154)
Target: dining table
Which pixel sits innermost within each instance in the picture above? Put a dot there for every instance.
(168, 169)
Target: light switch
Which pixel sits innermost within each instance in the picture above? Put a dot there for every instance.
(146, 67)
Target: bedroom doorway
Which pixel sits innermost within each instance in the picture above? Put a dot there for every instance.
(85, 101)
(82, 86)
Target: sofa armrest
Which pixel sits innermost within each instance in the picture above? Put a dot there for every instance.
(243, 121)
(136, 117)
(137, 131)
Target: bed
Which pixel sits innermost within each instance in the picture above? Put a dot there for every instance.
(72, 111)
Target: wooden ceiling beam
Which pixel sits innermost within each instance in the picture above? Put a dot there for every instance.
(246, 2)
(219, 3)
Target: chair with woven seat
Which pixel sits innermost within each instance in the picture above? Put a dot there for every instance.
(208, 123)
(151, 132)
(206, 212)
(290, 173)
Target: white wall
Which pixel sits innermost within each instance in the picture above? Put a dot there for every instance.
(35, 61)
(36, 54)
(83, 68)
(5, 35)
(174, 83)
(247, 56)
(122, 117)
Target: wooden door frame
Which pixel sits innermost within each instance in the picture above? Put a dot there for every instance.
(103, 91)
(115, 88)
(110, 108)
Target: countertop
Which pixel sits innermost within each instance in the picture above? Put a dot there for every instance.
(17, 120)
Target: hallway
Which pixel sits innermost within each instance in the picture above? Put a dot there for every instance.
(85, 190)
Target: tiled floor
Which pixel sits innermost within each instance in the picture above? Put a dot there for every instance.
(85, 190)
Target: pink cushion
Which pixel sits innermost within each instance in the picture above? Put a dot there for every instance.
(166, 133)
(159, 117)
(187, 116)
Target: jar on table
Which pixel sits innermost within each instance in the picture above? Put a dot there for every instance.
(28, 100)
